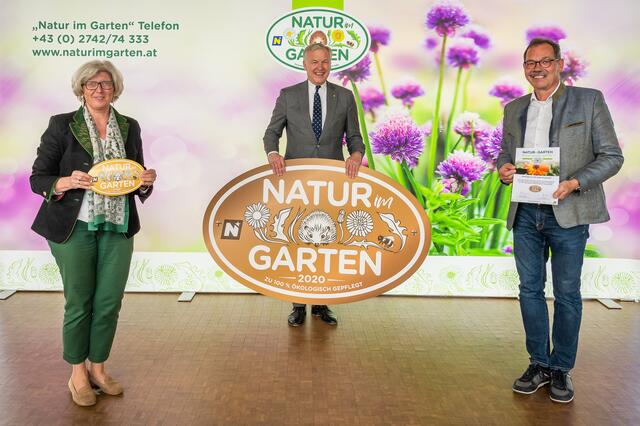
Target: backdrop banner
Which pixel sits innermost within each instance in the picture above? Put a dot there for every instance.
(475, 276)
(430, 81)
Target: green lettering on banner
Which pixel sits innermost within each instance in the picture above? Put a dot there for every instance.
(334, 4)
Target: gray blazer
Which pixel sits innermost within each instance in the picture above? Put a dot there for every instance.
(292, 111)
(589, 151)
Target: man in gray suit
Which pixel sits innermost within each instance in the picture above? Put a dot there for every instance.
(577, 121)
(317, 115)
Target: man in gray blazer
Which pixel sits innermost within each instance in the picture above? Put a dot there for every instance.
(577, 121)
(317, 115)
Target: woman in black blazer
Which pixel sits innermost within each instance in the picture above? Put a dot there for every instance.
(90, 235)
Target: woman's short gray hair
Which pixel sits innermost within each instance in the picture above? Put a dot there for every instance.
(91, 68)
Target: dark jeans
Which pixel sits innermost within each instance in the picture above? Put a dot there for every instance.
(535, 231)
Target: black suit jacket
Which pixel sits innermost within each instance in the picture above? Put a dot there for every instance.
(64, 147)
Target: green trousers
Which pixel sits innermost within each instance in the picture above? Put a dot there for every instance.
(94, 266)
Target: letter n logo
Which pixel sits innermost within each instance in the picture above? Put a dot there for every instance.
(277, 41)
(231, 229)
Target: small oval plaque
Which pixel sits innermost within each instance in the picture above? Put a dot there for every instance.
(116, 177)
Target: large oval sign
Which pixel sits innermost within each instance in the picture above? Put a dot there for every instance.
(348, 39)
(314, 235)
(116, 177)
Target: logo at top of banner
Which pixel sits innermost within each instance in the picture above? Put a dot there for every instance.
(314, 235)
(116, 177)
(347, 37)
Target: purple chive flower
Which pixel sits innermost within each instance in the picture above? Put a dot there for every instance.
(488, 147)
(427, 128)
(357, 73)
(550, 33)
(430, 43)
(506, 90)
(478, 35)
(459, 170)
(445, 17)
(371, 99)
(463, 54)
(468, 123)
(400, 138)
(406, 92)
(574, 68)
(379, 37)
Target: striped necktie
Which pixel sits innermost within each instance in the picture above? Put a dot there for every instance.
(316, 122)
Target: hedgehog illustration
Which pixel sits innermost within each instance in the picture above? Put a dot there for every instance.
(317, 228)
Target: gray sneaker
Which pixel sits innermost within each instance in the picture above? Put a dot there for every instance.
(533, 379)
(561, 389)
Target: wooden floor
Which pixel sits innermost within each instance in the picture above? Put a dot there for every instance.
(231, 359)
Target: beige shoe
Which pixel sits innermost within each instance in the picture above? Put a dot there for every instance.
(109, 386)
(84, 397)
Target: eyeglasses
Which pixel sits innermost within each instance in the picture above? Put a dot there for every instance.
(544, 63)
(104, 85)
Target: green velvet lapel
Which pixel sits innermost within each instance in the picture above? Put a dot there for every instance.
(81, 132)
(123, 124)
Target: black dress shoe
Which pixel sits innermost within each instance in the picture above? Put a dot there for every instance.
(324, 313)
(297, 316)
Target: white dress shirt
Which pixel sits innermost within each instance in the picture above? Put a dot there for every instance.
(539, 117)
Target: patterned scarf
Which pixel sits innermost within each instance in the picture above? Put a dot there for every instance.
(107, 213)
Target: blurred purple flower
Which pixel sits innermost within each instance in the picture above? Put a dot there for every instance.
(574, 68)
(427, 128)
(462, 54)
(406, 92)
(400, 138)
(506, 90)
(445, 17)
(379, 37)
(469, 122)
(9, 87)
(550, 33)
(371, 99)
(459, 170)
(488, 146)
(430, 43)
(452, 185)
(18, 207)
(508, 249)
(478, 35)
(357, 73)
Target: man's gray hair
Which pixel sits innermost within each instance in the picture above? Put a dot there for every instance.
(316, 46)
(91, 68)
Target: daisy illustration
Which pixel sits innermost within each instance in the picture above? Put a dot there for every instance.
(257, 215)
(290, 34)
(359, 223)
